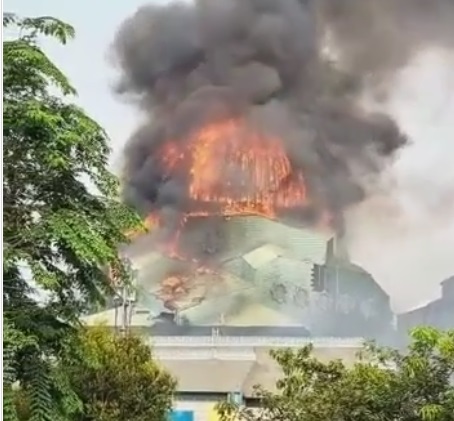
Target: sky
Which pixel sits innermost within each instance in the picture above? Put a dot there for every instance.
(409, 250)
(85, 59)
(405, 236)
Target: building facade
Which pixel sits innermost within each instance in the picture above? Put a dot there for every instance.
(214, 363)
(438, 313)
(213, 368)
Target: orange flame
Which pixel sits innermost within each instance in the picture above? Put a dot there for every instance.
(231, 169)
(239, 169)
(150, 222)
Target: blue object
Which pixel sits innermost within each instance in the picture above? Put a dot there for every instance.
(182, 416)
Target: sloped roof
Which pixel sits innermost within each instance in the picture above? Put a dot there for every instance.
(209, 375)
(257, 314)
(262, 255)
(265, 372)
(114, 317)
(448, 281)
(225, 295)
(301, 242)
(210, 310)
(222, 375)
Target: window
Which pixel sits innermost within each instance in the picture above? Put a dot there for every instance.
(236, 398)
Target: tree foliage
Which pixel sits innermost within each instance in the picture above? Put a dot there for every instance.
(58, 233)
(384, 385)
(113, 377)
(118, 380)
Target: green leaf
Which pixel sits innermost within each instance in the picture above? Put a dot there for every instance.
(58, 235)
(384, 384)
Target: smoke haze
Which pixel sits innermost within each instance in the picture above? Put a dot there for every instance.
(405, 234)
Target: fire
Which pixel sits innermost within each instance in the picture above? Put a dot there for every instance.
(233, 169)
(151, 221)
(229, 168)
(172, 289)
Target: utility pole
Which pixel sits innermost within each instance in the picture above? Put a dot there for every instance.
(125, 300)
(124, 305)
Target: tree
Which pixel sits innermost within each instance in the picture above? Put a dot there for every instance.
(117, 379)
(58, 233)
(384, 385)
(114, 377)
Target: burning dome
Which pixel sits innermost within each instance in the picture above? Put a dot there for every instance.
(234, 170)
(252, 140)
(244, 113)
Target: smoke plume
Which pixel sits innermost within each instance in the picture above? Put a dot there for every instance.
(262, 61)
(404, 234)
(299, 70)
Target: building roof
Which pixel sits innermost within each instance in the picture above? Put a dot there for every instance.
(436, 313)
(251, 232)
(260, 315)
(114, 317)
(222, 375)
(449, 281)
(209, 375)
(257, 253)
(263, 255)
(167, 329)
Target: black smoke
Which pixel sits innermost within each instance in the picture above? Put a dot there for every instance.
(187, 63)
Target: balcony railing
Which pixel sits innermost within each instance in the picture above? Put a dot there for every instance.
(246, 341)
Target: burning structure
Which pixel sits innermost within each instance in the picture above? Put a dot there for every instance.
(264, 274)
(253, 145)
(243, 113)
(258, 264)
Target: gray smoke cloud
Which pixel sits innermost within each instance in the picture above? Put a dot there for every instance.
(404, 232)
(187, 64)
(376, 38)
